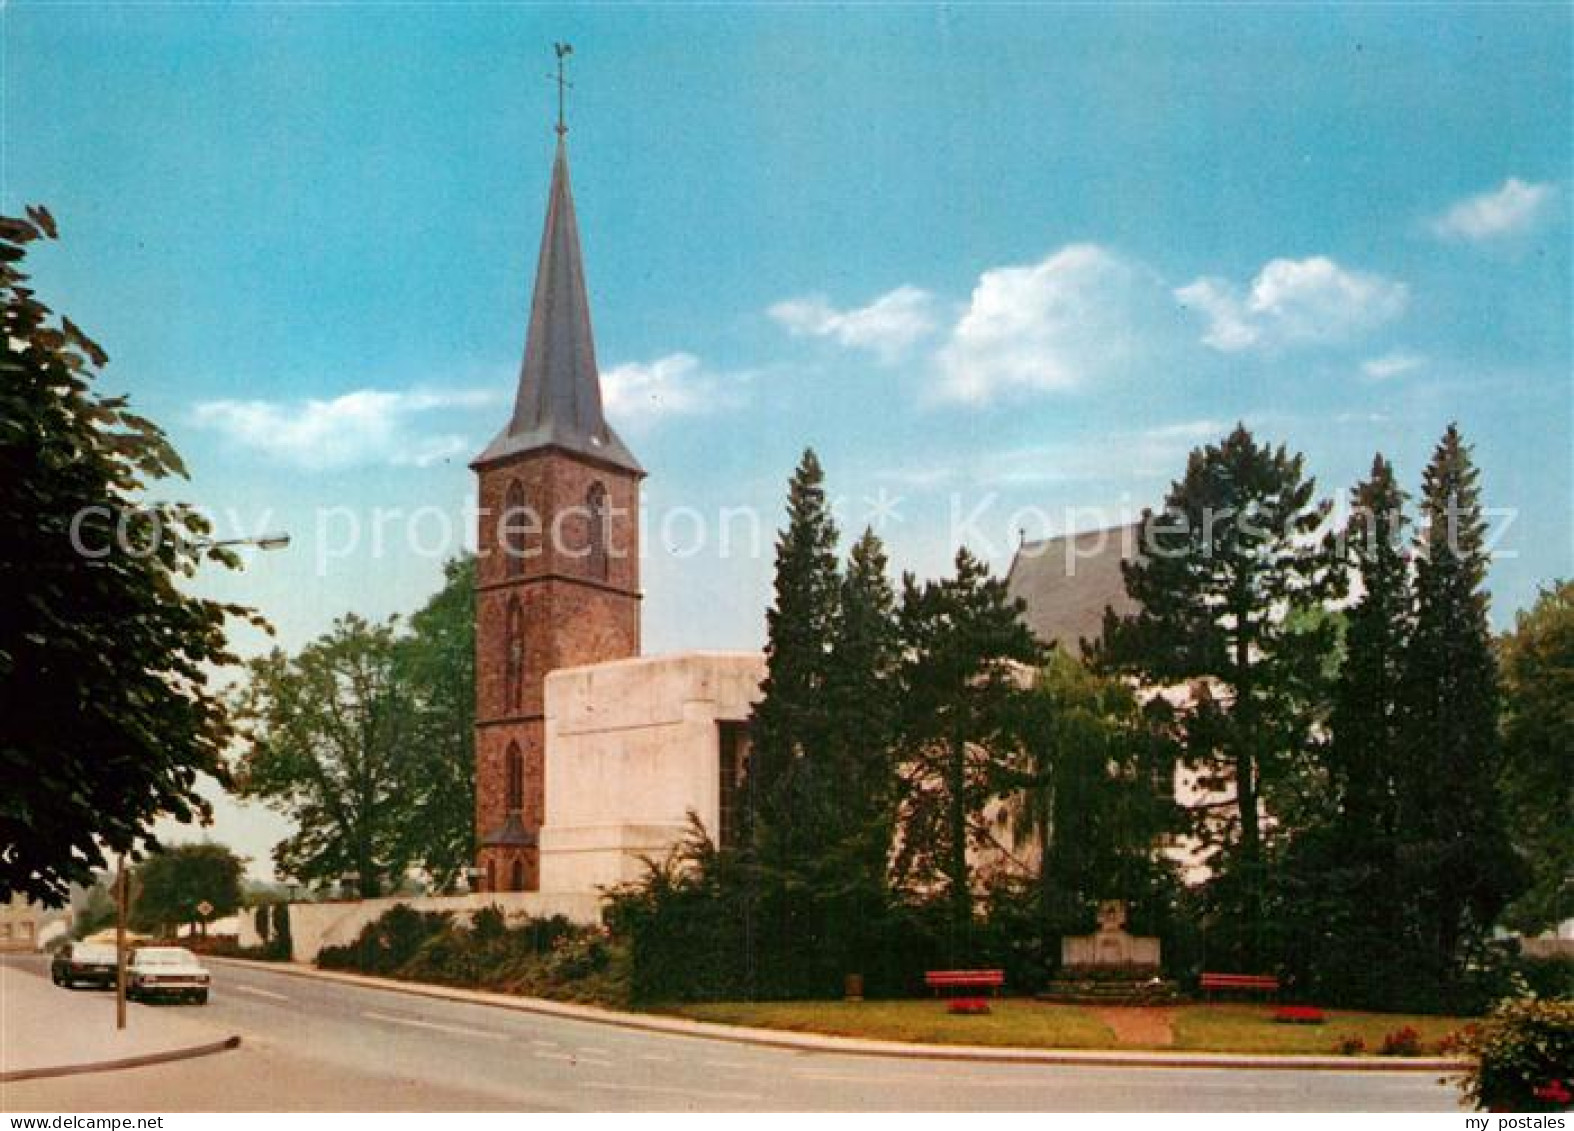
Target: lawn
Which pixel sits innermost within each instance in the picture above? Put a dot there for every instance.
(1023, 1023)
(1251, 1028)
(1016, 1022)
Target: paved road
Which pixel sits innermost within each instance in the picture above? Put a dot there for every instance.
(324, 1046)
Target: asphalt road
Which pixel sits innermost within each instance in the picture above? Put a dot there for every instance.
(310, 1045)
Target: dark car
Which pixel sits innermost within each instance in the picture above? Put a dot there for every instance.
(79, 963)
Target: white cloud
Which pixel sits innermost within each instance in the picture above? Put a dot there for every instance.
(368, 426)
(890, 325)
(676, 385)
(1050, 326)
(1391, 365)
(1509, 210)
(1294, 302)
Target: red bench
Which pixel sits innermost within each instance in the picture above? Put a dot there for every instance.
(1246, 983)
(991, 980)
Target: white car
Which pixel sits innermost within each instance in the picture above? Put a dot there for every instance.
(166, 971)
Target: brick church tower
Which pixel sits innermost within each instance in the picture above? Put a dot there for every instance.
(557, 583)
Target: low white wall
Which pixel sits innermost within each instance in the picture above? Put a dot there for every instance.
(317, 925)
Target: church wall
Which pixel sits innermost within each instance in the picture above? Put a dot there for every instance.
(632, 749)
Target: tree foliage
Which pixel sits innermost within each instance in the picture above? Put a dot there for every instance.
(1094, 792)
(171, 885)
(1538, 767)
(436, 666)
(1230, 588)
(329, 733)
(1459, 861)
(108, 714)
(961, 684)
(366, 738)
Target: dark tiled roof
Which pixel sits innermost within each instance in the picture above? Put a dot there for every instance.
(510, 833)
(1068, 582)
(558, 404)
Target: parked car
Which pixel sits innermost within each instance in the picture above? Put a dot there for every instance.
(83, 962)
(166, 971)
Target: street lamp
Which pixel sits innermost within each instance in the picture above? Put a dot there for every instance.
(276, 541)
(350, 882)
(473, 877)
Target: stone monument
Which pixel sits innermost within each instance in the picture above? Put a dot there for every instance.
(1110, 946)
(1110, 966)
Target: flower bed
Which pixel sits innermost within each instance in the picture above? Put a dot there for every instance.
(1299, 1015)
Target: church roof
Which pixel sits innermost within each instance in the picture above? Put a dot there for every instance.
(1067, 583)
(558, 404)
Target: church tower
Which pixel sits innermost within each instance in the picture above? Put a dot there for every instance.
(557, 581)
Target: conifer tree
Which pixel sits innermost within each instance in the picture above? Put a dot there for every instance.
(790, 718)
(1464, 870)
(1230, 584)
(1366, 722)
(961, 692)
(1343, 903)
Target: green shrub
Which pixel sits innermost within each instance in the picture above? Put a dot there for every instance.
(1522, 1057)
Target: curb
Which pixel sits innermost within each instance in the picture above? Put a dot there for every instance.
(190, 1053)
(850, 1046)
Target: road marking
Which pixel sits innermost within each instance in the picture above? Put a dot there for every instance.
(545, 1044)
(594, 1051)
(656, 1089)
(570, 1058)
(457, 1030)
(723, 1064)
(253, 990)
(655, 1056)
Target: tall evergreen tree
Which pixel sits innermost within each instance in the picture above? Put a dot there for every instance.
(846, 791)
(1343, 902)
(1366, 722)
(790, 718)
(1464, 870)
(1228, 579)
(961, 690)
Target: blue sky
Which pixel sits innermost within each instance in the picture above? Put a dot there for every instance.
(1001, 266)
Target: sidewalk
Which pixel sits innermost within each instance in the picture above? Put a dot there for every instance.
(852, 1046)
(45, 1027)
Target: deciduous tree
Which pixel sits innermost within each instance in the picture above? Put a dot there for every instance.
(109, 717)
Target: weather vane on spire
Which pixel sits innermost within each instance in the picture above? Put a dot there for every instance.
(563, 51)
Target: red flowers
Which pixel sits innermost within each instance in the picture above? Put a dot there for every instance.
(1556, 1092)
(1299, 1015)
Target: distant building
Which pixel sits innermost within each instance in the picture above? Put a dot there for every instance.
(28, 926)
(1068, 582)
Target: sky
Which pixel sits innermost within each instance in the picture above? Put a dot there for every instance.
(1001, 266)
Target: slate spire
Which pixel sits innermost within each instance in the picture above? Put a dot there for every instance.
(558, 403)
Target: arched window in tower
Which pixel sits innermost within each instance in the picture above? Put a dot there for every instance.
(514, 775)
(512, 526)
(596, 507)
(514, 655)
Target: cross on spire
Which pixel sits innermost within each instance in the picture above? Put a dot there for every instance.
(563, 51)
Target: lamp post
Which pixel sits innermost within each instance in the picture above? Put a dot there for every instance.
(473, 877)
(275, 541)
(350, 885)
